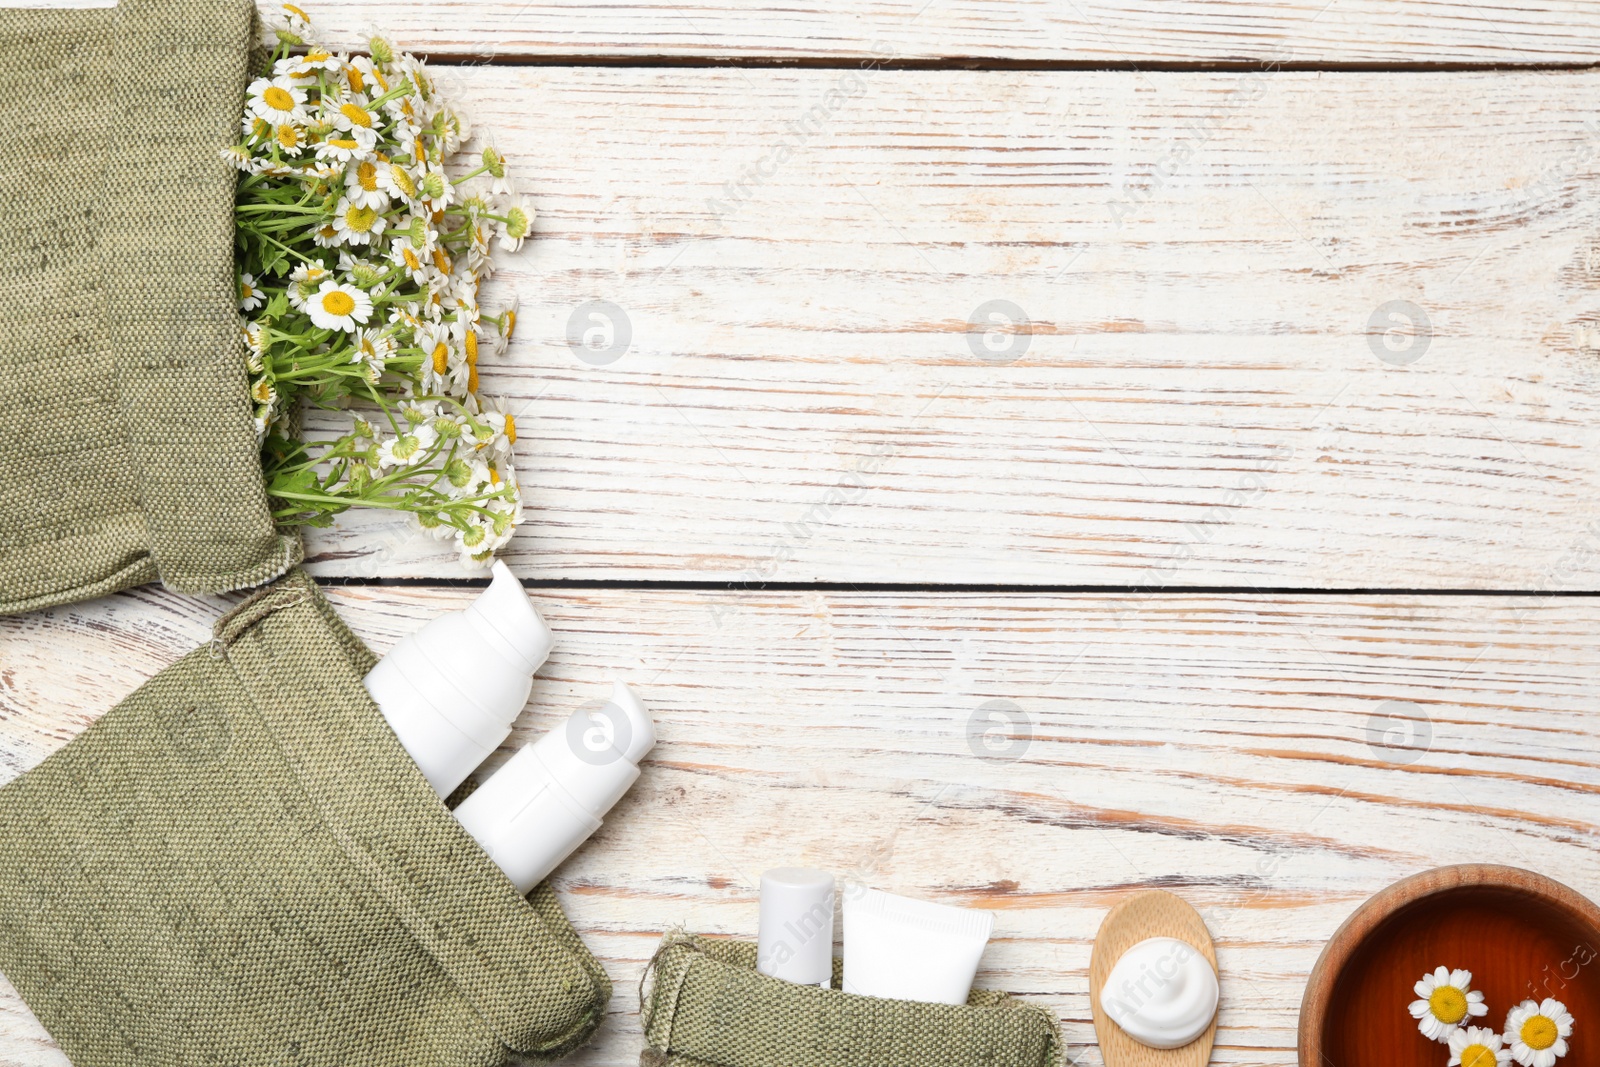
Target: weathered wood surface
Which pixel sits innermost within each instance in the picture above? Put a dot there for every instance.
(1038, 31)
(1212, 266)
(1241, 751)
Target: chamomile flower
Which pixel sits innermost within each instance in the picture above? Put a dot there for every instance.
(361, 74)
(1537, 1032)
(513, 229)
(295, 18)
(361, 185)
(397, 181)
(402, 254)
(1477, 1046)
(255, 341)
(250, 297)
(290, 139)
(350, 114)
(1448, 1001)
(306, 66)
(348, 145)
(305, 280)
(495, 431)
(436, 191)
(406, 449)
(337, 306)
(357, 225)
(277, 100)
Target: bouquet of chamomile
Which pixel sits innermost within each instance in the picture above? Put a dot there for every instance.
(359, 258)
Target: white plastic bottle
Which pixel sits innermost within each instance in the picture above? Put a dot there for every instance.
(549, 797)
(451, 690)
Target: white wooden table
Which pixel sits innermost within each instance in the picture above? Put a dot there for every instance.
(1243, 554)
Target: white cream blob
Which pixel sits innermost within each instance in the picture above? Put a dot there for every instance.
(1162, 992)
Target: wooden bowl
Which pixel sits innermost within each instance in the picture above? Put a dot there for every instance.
(1522, 936)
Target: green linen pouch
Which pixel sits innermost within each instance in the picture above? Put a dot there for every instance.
(704, 1004)
(127, 447)
(240, 865)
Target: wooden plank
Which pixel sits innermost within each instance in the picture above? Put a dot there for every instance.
(1127, 31)
(1240, 751)
(1213, 267)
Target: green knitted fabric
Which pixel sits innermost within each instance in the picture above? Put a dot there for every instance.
(127, 449)
(707, 1006)
(239, 865)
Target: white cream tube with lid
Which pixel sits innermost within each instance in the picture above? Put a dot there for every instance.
(908, 949)
(549, 797)
(451, 690)
(1162, 992)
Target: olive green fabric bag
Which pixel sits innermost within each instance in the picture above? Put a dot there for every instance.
(704, 1004)
(240, 865)
(127, 447)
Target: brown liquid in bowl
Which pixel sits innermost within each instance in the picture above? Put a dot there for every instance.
(1517, 946)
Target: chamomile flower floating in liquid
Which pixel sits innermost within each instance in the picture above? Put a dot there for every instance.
(1448, 1001)
(1537, 1032)
(1477, 1046)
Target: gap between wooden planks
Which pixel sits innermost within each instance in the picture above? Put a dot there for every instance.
(1245, 752)
(1200, 259)
(1124, 31)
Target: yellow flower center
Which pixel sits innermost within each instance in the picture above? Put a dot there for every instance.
(412, 262)
(402, 179)
(1448, 1004)
(441, 358)
(1477, 1056)
(472, 379)
(511, 323)
(1539, 1032)
(511, 430)
(260, 128)
(356, 114)
(472, 348)
(262, 392)
(288, 136)
(367, 176)
(338, 302)
(360, 219)
(345, 143)
(441, 260)
(295, 11)
(278, 98)
(494, 476)
(353, 76)
(317, 55)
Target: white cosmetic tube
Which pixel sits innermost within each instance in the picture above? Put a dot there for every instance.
(796, 940)
(547, 799)
(906, 949)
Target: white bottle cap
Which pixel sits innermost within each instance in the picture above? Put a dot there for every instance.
(548, 798)
(452, 689)
(796, 939)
